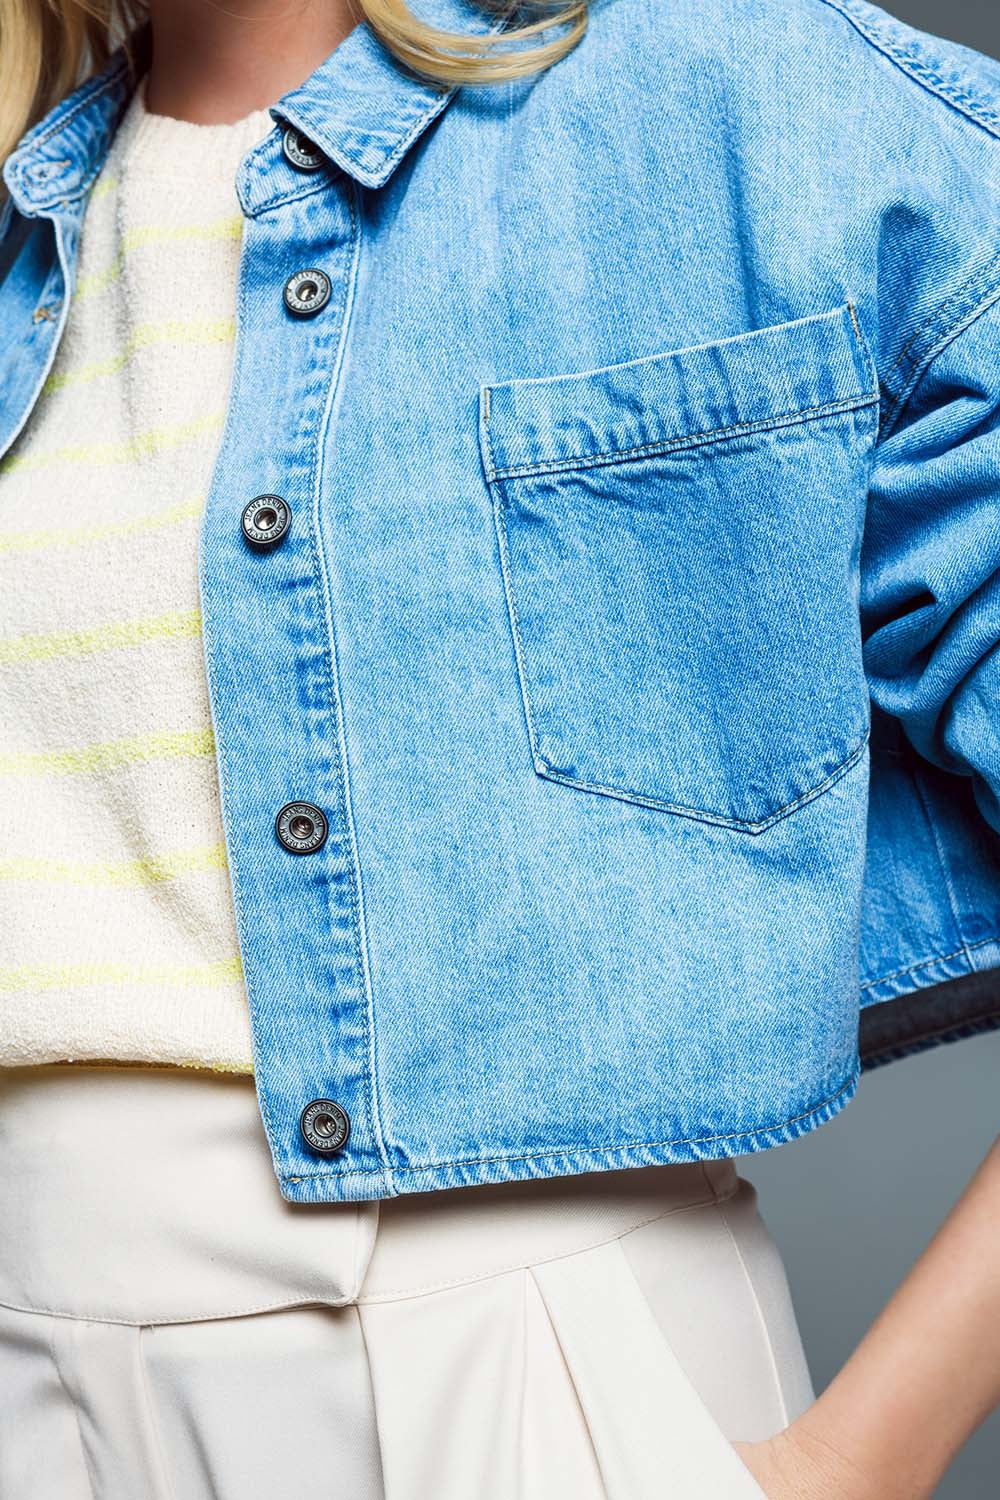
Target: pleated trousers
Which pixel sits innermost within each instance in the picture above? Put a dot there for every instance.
(172, 1329)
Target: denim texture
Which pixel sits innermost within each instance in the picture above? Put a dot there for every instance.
(637, 625)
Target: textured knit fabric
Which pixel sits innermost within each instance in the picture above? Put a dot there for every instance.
(119, 938)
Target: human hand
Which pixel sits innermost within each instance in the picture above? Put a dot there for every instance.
(788, 1466)
(923, 1378)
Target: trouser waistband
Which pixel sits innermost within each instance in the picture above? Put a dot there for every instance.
(147, 1195)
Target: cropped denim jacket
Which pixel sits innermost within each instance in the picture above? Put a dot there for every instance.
(610, 750)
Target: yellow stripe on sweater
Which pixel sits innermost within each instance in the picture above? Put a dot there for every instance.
(155, 234)
(153, 870)
(105, 184)
(143, 445)
(163, 745)
(146, 336)
(104, 531)
(66, 976)
(177, 624)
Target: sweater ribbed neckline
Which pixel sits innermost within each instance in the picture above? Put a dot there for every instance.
(165, 144)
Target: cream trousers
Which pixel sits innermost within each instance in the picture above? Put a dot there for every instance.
(172, 1329)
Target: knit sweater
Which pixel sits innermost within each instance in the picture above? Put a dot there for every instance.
(119, 940)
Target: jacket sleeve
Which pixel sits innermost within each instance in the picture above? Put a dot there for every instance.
(930, 560)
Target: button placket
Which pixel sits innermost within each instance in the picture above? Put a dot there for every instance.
(276, 699)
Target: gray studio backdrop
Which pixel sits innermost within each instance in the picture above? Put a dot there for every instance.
(853, 1204)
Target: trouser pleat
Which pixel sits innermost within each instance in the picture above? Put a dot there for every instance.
(654, 1437)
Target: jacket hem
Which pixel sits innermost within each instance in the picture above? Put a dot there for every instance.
(334, 1187)
(971, 958)
(939, 1001)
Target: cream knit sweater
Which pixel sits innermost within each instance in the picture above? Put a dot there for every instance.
(118, 940)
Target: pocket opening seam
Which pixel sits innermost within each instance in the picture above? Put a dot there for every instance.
(687, 440)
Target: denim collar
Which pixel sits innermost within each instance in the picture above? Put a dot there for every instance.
(361, 106)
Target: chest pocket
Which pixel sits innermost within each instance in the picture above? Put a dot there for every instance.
(679, 539)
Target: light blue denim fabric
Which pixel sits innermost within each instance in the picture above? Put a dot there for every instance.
(637, 625)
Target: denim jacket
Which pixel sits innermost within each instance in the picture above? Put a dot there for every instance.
(609, 745)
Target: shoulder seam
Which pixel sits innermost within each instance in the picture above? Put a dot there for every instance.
(981, 108)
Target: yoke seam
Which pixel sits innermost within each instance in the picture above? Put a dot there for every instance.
(403, 1294)
(400, 1293)
(156, 1320)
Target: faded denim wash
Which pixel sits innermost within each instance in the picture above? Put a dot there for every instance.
(637, 625)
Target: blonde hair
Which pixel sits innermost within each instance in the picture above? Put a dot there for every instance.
(47, 47)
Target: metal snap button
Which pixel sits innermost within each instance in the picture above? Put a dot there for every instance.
(266, 521)
(324, 1126)
(301, 827)
(306, 292)
(300, 150)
